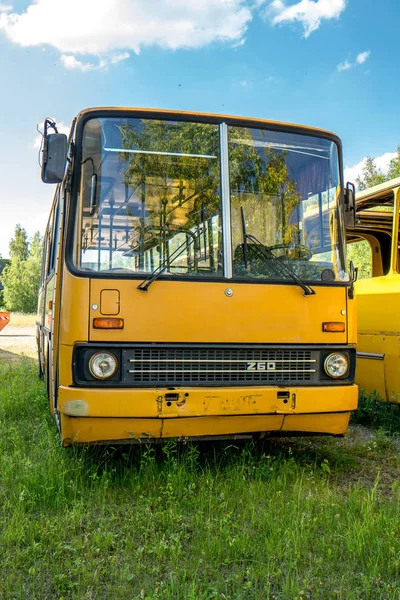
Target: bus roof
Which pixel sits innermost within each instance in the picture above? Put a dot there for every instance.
(379, 191)
(374, 208)
(158, 112)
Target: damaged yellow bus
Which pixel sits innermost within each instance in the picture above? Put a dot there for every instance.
(194, 280)
(377, 226)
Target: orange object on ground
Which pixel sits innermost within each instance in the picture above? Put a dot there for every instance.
(4, 319)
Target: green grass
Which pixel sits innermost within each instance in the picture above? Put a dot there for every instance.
(372, 411)
(288, 519)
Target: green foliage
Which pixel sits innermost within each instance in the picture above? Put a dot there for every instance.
(3, 263)
(21, 278)
(372, 411)
(371, 175)
(394, 166)
(19, 244)
(361, 255)
(282, 520)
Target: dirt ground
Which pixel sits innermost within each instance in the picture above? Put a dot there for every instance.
(18, 340)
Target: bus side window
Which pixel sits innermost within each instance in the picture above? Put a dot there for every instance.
(44, 258)
(51, 239)
(55, 233)
(360, 253)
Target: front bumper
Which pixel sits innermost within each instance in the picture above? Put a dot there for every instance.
(95, 415)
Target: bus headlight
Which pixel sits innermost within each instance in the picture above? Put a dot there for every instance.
(336, 365)
(103, 365)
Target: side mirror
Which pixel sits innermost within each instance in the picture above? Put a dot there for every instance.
(55, 146)
(350, 206)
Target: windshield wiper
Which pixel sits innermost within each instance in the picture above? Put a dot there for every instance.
(146, 283)
(281, 268)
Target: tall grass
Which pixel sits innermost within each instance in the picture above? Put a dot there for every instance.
(184, 522)
(373, 412)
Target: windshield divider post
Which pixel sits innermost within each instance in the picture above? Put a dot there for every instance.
(244, 233)
(226, 201)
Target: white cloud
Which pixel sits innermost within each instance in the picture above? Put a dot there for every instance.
(344, 66)
(309, 13)
(239, 43)
(360, 60)
(382, 162)
(119, 57)
(101, 27)
(107, 31)
(70, 62)
(362, 57)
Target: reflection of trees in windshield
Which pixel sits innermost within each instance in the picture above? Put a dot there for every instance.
(281, 181)
(262, 173)
(173, 169)
(175, 178)
(158, 184)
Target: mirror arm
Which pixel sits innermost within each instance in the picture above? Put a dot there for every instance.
(350, 205)
(353, 279)
(350, 187)
(49, 123)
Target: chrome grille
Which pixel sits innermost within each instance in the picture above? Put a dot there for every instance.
(226, 365)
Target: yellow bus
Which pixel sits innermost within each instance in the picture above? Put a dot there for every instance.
(194, 280)
(377, 228)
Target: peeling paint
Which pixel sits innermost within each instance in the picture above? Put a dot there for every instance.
(76, 408)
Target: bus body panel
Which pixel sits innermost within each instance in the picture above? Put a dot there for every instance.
(202, 312)
(379, 336)
(378, 346)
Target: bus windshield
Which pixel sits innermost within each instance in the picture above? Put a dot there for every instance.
(151, 194)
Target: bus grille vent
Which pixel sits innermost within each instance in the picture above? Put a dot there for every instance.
(173, 365)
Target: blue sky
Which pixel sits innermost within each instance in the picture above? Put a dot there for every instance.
(326, 63)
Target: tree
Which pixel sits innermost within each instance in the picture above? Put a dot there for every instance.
(360, 252)
(3, 263)
(19, 244)
(21, 277)
(371, 175)
(394, 166)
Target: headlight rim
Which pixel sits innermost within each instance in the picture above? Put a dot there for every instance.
(347, 360)
(92, 358)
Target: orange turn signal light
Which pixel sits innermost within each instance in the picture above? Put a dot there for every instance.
(104, 323)
(333, 327)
